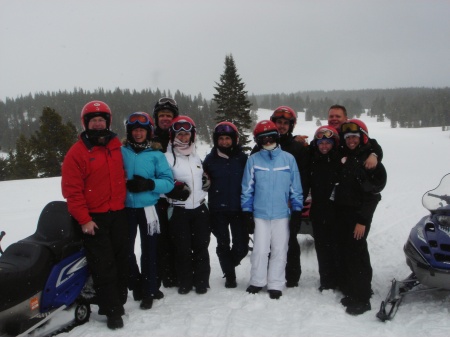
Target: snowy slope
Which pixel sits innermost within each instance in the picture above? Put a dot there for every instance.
(416, 160)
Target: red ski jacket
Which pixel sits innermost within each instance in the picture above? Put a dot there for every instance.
(93, 179)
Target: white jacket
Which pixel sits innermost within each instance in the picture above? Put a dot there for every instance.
(189, 170)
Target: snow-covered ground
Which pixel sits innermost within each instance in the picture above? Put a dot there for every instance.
(415, 159)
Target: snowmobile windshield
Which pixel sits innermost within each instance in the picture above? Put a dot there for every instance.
(438, 199)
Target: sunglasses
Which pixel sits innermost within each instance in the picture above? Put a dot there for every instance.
(224, 129)
(169, 101)
(138, 118)
(324, 134)
(283, 113)
(182, 126)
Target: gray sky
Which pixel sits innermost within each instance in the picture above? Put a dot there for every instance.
(278, 46)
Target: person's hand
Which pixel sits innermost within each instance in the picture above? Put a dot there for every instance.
(89, 228)
(301, 139)
(206, 182)
(181, 191)
(371, 161)
(249, 222)
(359, 231)
(140, 184)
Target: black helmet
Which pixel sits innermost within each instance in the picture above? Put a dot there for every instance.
(165, 103)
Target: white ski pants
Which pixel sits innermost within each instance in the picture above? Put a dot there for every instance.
(271, 236)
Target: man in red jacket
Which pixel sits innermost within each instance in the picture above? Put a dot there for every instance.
(93, 182)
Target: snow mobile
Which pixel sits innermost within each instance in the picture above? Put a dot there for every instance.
(44, 274)
(427, 252)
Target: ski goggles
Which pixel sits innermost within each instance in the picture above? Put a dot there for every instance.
(352, 128)
(182, 126)
(267, 138)
(167, 101)
(138, 118)
(325, 133)
(283, 113)
(224, 128)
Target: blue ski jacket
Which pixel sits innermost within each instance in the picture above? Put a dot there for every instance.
(271, 185)
(150, 164)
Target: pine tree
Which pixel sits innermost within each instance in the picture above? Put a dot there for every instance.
(51, 142)
(20, 163)
(232, 102)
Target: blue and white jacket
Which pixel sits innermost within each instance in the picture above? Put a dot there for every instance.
(271, 185)
(150, 164)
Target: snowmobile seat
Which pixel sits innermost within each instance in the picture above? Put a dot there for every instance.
(24, 268)
(57, 230)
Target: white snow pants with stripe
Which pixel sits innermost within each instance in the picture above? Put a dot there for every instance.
(271, 236)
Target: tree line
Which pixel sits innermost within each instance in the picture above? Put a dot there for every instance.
(37, 130)
(404, 107)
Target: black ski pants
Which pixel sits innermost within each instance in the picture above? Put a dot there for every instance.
(107, 256)
(230, 251)
(191, 233)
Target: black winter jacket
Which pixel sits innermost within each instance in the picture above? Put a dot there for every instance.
(359, 187)
(224, 194)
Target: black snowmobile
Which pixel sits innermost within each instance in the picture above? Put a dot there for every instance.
(427, 252)
(45, 274)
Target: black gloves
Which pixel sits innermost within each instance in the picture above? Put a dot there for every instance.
(181, 191)
(206, 182)
(140, 184)
(295, 221)
(249, 221)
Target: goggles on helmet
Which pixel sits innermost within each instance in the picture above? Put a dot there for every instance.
(283, 113)
(138, 118)
(352, 127)
(182, 126)
(325, 133)
(263, 140)
(168, 101)
(224, 128)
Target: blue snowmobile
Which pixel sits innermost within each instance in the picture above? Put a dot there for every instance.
(44, 274)
(427, 252)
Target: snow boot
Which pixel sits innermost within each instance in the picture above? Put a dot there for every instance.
(146, 303)
(158, 295)
(275, 294)
(357, 308)
(114, 322)
(184, 290)
(201, 290)
(253, 289)
(230, 280)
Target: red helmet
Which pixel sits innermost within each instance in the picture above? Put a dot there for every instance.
(327, 132)
(95, 109)
(356, 125)
(286, 113)
(226, 129)
(263, 129)
(182, 123)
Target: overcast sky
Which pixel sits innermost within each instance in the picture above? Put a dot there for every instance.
(278, 46)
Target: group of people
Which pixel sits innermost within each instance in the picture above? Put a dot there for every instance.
(154, 182)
